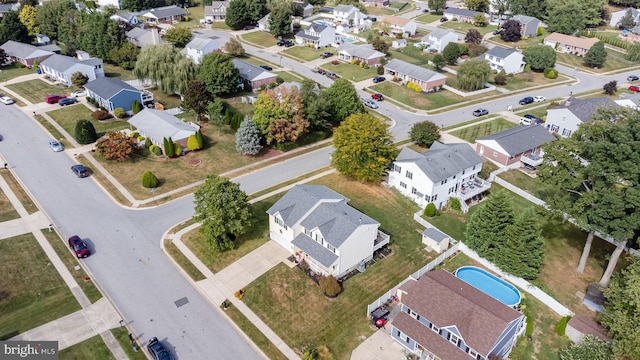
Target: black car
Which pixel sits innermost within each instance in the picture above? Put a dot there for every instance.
(266, 67)
(632, 78)
(288, 43)
(480, 112)
(157, 350)
(496, 32)
(526, 100)
(80, 171)
(281, 42)
(378, 79)
(443, 19)
(325, 55)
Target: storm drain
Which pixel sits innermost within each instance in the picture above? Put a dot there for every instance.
(180, 302)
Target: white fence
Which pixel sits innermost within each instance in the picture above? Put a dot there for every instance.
(138, 83)
(174, 111)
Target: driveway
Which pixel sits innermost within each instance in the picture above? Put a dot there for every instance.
(379, 346)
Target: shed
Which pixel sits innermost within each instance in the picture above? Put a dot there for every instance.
(580, 325)
(399, 44)
(435, 240)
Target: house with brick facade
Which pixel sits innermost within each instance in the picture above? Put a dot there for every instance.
(521, 144)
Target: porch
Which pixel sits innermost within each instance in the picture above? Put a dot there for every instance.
(471, 192)
(532, 160)
(381, 240)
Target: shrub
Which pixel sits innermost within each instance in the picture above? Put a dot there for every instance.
(561, 326)
(192, 143)
(335, 62)
(149, 180)
(119, 112)
(454, 204)
(134, 134)
(398, 36)
(263, 87)
(168, 147)
(352, 62)
(140, 138)
(152, 147)
(501, 78)
(19, 65)
(177, 149)
(101, 115)
(147, 142)
(430, 210)
(380, 70)
(85, 132)
(552, 74)
(329, 286)
(136, 106)
(157, 151)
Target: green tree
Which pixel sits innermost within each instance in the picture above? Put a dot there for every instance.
(540, 57)
(437, 5)
(248, 138)
(214, 110)
(124, 55)
(439, 62)
(224, 211)
(424, 133)
(280, 18)
(487, 226)
(100, 34)
(12, 29)
(115, 145)
(473, 74)
(589, 348)
(523, 251)
(28, 18)
(178, 36)
(479, 20)
(85, 133)
(315, 105)
(136, 107)
(626, 22)
(219, 74)
(535, 8)
(169, 149)
(244, 12)
(473, 36)
(149, 180)
(363, 148)
(49, 16)
(166, 66)
(477, 5)
(79, 79)
(596, 56)
(633, 52)
(620, 314)
(3, 56)
(33, 3)
(278, 114)
(611, 87)
(566, 17)
(234, 48)
(593, 11)
(137, 5)
(196, 97)
(380, 45)
(344, 100)
(451, 53)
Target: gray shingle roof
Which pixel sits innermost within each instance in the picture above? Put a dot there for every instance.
(364, 51)
(413, 71)
(23, 51)
(524, 19)
(250, 72)
(304, 35)
(205, 44)
(344, 8)
(106, 87)
(461, 12)
(521, 138)
(435, 234)
(501, 52)
(439, 33)
(315, 250)
(442, 161)
(586, 108)
(316, 27)
(158, 125)
(63, 63)
(300, 199)
(166, 11)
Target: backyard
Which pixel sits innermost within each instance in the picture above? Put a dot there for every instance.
(351, 71)
(471, 133)
(462, 27)
(275, 296)
(36, 90)
(68, 116)
(259, 38)
(33, 293)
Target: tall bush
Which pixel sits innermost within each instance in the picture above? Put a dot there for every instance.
(177, 149)
(149, 180)
(168, 147)
(136, 106)
(192, 143)
(329, 285)
(430, 210)
(85, 133)
(119, 112)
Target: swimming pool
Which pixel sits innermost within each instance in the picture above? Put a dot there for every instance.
(489, 284)
(347, 40)
(322, 22)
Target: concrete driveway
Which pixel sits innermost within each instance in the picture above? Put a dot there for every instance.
(379, 346)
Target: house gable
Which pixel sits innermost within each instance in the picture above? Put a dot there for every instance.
(517, 140)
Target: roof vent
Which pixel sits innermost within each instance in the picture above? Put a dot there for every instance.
(567, 103)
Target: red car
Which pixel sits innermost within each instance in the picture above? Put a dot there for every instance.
(634, 88)
(377, 97)
(53, 99)
(79, 247)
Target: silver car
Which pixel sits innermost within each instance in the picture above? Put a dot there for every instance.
(55, 146)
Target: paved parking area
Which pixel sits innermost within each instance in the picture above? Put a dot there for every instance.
(379, 346)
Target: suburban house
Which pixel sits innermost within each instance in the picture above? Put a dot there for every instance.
(443, 171)
(399, 44)
(254, 75)
(435, 240)
(462, 15)
(509, 60)
(164, 15)
(263, 24)
(198, 47)
(398, 25)
(144, 37)
(438, 39)
(363, 53)
(428, 80)
(528, 25)
(5, 8)
(128, 18)
(25, 54)
(618, 15)
(315, 224)
(112, 93)
(216, 12)
(565, 119)
(316, 35)
(348, 14)
(520, 144)
(570, 44)
(307, 9)
(156, 125)
(61, 68)
(375, 3)
(443, 317)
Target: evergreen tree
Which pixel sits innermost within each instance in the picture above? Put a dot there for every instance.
(487, 227)
(169, 149)
(85, 133)
(596, 56)
(566, 17)
(280, 19)
(79, 79)
(196, 97)
(633, 52)
(12, 29)
(540, 57)
(315, 105)
(626, 22)
(248, 138)
(149, 180)
(199, 139)
(178, 36)
(522, 254)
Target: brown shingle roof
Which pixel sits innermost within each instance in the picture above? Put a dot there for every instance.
(445, 300)
(433, 342)
(581, 42)
(588, 327)
(395, 20)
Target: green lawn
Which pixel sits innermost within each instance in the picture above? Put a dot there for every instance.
(526, 80)
(7, 212)
(12, 71)
(276, 296)
(428, 18)
(472, 133)
(523, 181)
(18, 190)
(169, 101)
(68, 116)
(615, 61)
(413, 55)
(32, 292)
(118, 72)
(522, 43)
(220, 25)
(289, 76)
(36, 90)
(304, 53)
(122, 335)
(71, 262)
(351, 72)
(195, 14)
(90, 349)
(463, 27)
(260, 38)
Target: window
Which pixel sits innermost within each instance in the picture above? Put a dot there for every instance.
(413, 190)
(397, 168)
(434, 197)
(453, 339)
(403, 185)
(307, 232)
(566, 132)
(473, 353)
(463, 170)
(331, 248)
(280, 222)
(495, 154)
(409, 175)
(403, 336)
(474, 167)
(435, 329)
(414, 315)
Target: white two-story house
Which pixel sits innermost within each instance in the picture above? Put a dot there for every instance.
(198, 47)
(438, 39)
(509, 60)
(442, 172)
(348, 14)
(565, 119)
(315, 224)
(216, 12)
(317, 35)
(61, 68)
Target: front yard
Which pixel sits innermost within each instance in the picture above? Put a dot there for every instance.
(12, 71)
(351, 71)
(260, 38)
(36, 90)
(471, 133)
(615, 61)
(305, 53)
(68, 116)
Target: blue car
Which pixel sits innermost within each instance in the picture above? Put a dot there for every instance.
(157, 350)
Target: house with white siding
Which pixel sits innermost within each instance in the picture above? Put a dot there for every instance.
(217, 11)
(509, 60)
(565, 119)
(438, 39)
(61, 68)
(316, 35)
(198, 47)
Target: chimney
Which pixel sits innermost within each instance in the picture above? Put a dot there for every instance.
(567, 103)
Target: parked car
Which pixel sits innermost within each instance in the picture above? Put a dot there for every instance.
(443, 19)
(373, 19)
(288, 43)
(67, 101)
(526, 100)
(378, 97)
(539, 98)
(425, 10)
(79, 247)
(525, 121)
(332, 76)
(325, 55)
(6, 100)
(157, 350)
(55, 146)
(370, 103)
(80, 171)
(633, 78)
(266, 67)
(378, 79)
(480, 112)
(634, 88)
(281, 42)
(78, 93)
(53, 99)
(322, 71)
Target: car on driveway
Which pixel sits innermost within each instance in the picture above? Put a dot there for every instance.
(539, 98)
(526, 100)
(6, 100)
(634, 88)
(378, 97)
(633, 78)
(53, 99)
(325, 55)
(157, 350)
(80, 171)
(55, 146)
(67, 101)
(444, 19)
(288, 43)
(78, 93)
(370, 103)
(525, 121)
(79, 247)
(281, 42)
(378, 79)
(266, 67)
(480, 112)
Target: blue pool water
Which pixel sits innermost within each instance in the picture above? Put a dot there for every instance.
(322, 22)
(347, 40)
(490, 285)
